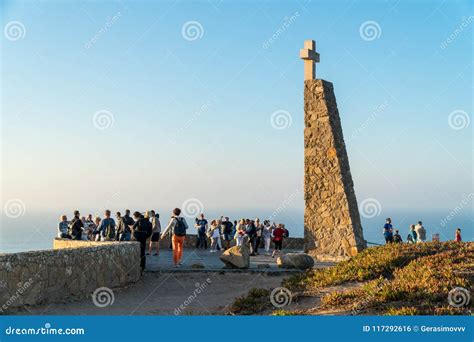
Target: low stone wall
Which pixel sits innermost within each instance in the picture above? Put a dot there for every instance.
(72, 270)
(190, 242)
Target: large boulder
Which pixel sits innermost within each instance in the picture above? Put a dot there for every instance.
(300, 261)
(236, 257)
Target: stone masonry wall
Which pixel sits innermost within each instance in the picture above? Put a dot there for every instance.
(72, 270)
(332, 224)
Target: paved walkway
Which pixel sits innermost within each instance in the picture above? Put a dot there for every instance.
(172, 293)
(200, 260)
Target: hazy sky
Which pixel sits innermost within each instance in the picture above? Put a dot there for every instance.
(138, 103)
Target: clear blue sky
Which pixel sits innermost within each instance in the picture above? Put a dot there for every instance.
(192, 118)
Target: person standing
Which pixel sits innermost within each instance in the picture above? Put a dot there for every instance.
(214, 234)
(75, 226)
(239, 232)
(388, 231)
(123, 229)
(201, 228)
(178, 227)
(141, 231)
(267, 235)
(251, 232)
(258, 234)
(278, 235)
(457, 236)
(95, 233)
(227, 228)
(156, 231)
(127, 219)
(420, 232)
(63, 228)
(106, 228)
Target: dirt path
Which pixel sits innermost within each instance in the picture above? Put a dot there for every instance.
(169, 294)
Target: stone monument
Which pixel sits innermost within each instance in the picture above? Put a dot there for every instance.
(332, 227)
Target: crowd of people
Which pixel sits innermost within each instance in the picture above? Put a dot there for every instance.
(416, 234)
(146, 229)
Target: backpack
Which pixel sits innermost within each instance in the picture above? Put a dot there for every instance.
(286, 233)
(179, 227)
(148, 228)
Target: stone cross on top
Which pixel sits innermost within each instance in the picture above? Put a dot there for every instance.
(310, 57)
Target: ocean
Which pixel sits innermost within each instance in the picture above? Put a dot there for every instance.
(36, 230)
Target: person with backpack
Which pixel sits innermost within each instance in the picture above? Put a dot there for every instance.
(201, 227)
(75, 226)
(420, 232)
(123, 229)
(178, 227)
(107, 228)
(142, 230)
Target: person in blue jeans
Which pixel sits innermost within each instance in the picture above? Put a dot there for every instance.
(388, 231)
(201, 227)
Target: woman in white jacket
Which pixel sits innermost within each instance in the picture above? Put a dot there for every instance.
(214, 234)
(267, 235)
(239, 232)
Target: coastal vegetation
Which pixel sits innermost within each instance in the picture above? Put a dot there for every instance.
(396, 279)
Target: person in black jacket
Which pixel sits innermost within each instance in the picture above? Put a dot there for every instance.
(127, 219)
(141, 231)
(75, 227)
